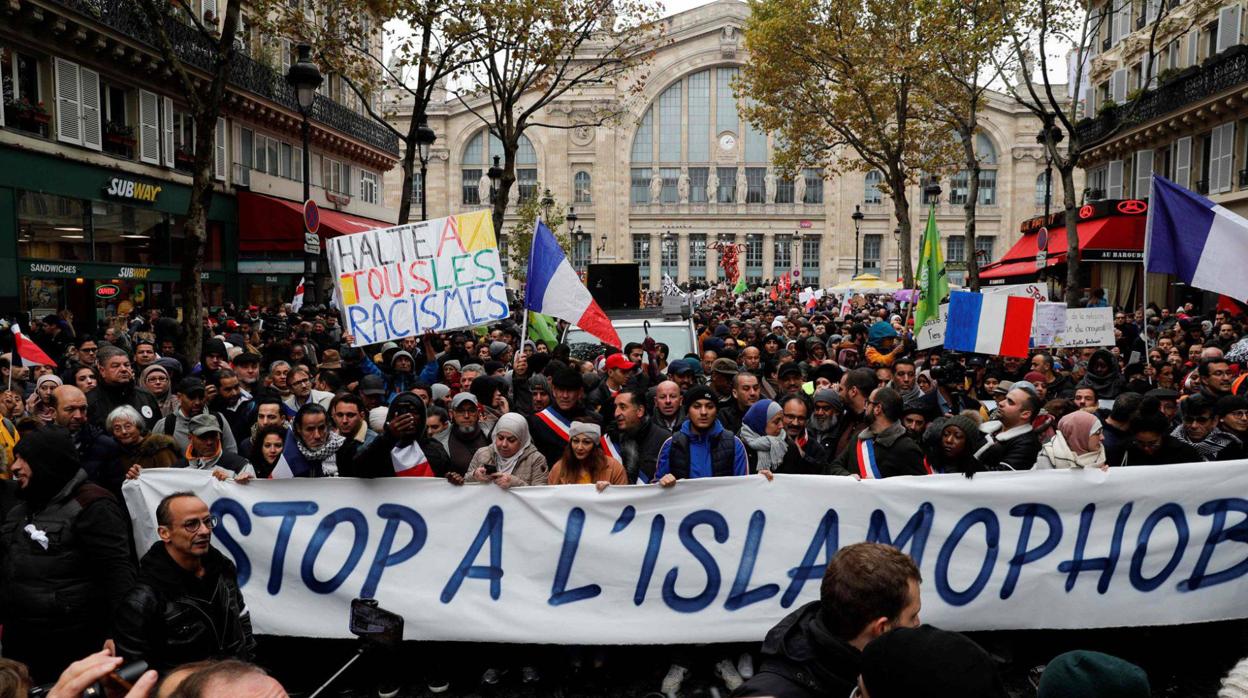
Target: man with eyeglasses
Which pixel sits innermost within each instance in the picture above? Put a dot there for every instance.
(1233, 412)
(186, 606)
(1215, 378)
(86, 348)
(302, 392)
(1200, 430)
(64, 557)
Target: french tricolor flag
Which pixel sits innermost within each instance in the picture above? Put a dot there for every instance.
(553, 288)
(29, 352)
(989, 324)
(1200, 242)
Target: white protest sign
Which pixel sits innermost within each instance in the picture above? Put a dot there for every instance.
(932, 333)
(1036, 291)
(1087, 327)
(722, 559)
(1050, 321)
(435, 275)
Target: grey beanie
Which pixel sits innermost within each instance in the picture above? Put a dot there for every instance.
(497, 348)
(539, 382)
(439, 391)
(589, 428)
(829, 396)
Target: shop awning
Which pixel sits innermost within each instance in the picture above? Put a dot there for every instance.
(1112, 234)
(269, 224)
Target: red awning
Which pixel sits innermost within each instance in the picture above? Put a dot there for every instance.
(269, 224)
(1112, 233)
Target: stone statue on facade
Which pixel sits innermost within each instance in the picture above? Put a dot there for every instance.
(656, 188)
(712, 187)
(742, 187)
(799, 188)
(682, 187)
(483, 188)
(770, 185)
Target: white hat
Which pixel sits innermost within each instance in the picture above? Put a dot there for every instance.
(377, 418)
(1235, 684)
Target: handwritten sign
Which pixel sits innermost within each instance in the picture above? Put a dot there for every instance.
(932, 334)
(436, 275)
(1050, 322)
(1087, 327)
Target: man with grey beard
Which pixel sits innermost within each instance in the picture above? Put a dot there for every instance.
(822, 422)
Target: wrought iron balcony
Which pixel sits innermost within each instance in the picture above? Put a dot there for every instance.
(127, 17)
(1223, 72)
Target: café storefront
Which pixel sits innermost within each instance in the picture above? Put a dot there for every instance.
(99, 241)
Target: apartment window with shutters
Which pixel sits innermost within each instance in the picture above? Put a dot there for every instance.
(1222, 151)
(77, 112)
(333, 179)
(1228, 27)
(21, 93)
(184, 141)
(1205, 149)
(370, 188)
(118, 132)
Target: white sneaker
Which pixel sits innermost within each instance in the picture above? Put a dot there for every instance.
(726, 671)
(490, 677)
(745, 666)
(529, 674)
(672, 682)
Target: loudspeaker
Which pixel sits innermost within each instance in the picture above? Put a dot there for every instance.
(615, 286)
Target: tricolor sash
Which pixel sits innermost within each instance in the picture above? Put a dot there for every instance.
(557, 424)
(868, 469)
(410, 461)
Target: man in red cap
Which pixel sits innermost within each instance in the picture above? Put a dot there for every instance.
(619, 371)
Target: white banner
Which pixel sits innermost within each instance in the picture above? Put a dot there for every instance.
(723, 559)
(1040, 292)
(1050, 322)
(932, 333)
(435, 275)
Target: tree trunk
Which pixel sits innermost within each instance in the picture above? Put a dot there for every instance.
(406, 165)
(193, 307)
(1074, 291)
(972, 202)
(901, 206)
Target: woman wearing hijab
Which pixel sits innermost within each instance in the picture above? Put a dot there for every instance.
(762, 430)
(511, 459)
(585, 462)
(403, 448)
(39, 405)
(1077, 444)
(1103, 375)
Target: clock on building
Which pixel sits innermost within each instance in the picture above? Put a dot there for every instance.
(727, 141)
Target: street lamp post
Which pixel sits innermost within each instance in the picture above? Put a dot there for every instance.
(797, 246)
(305, 77)
(857, 216)
(602, 245)
(1052, 131)
(667, 243)
(424, 140)
(897, 244)
(495, 173)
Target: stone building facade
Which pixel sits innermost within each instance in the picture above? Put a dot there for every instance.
(682, 170)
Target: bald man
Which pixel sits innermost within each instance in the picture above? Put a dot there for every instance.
(97, 451)
(667, 406)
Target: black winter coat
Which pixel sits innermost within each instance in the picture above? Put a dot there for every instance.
(1018, 452)
(374, 460)
(104, 399)
(895, 454)
(801, 658)
(172, 617)
(640, 449)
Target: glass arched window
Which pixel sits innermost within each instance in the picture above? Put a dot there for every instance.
(477, 161)
(582, 188)
(694, 129)
(872, 182)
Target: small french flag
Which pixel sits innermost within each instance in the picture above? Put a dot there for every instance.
(989, 324)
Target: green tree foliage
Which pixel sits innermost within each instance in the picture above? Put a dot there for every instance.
(519, 242)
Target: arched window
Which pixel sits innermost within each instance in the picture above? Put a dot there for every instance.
(1041, 189)
(985, 150)
(477, 161)
(582, 188)
(871, 194)
(694, 128)
(987, 154)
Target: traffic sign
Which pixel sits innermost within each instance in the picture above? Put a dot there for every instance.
(311, 226)
(1042, 248)
(311, 217)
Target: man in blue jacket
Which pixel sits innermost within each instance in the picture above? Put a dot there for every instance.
(702, 447)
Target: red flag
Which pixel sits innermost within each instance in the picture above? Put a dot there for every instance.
(28, 351)
(1230, 306)
(774, 295)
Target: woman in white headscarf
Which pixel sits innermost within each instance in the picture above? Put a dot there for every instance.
(511, 459)
(39, 404)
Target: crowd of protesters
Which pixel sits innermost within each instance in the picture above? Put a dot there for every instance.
(771, 388)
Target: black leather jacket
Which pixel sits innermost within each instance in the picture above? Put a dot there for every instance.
(172, 617)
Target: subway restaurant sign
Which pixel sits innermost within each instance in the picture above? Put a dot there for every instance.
(132, 190)
(69, 270)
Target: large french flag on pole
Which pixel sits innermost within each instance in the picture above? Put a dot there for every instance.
(989, 324)
(1200, 242)
(553, 288)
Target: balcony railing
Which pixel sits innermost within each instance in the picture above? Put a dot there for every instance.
(126, 17)
(1220, 73)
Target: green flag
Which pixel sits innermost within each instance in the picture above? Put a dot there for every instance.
(541, 328)
(740, 287)
(933, 283)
